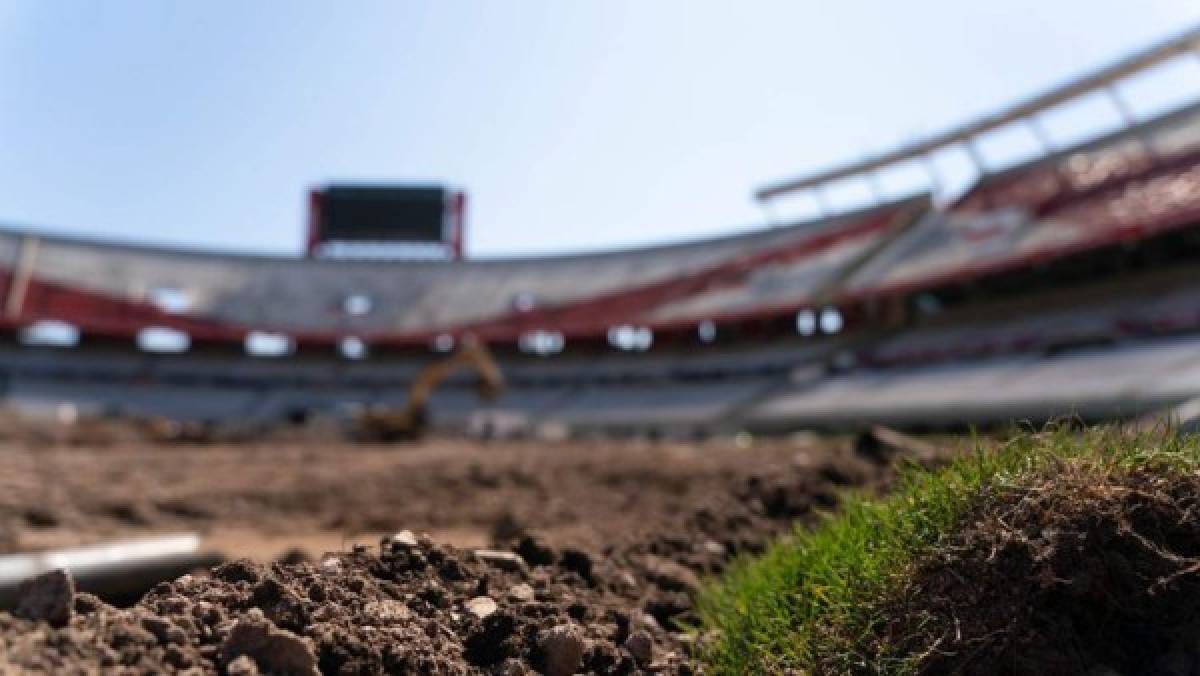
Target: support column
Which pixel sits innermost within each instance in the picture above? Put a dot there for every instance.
(1039, 132)
(819, 198)
(976, 156)
(1129, 118)
(876, 188)
(936, 184)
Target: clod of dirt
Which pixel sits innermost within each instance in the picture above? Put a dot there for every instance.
(1079, 573)
(49, 597)
(164, 630)
(272, 649)
(577, 561)
(534, 551)
(294, 555)
(641, 647)
(561, 649)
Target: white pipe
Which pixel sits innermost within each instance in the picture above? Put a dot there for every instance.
(120, 565)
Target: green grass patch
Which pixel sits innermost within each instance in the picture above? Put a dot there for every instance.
(813, 603)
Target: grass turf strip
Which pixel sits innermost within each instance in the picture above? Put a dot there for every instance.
(818, 602)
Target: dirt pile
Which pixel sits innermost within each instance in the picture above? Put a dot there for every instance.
(1081, 573)
(534, 600)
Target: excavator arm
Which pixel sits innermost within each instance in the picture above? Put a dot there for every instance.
(471, 353)
(410, 421)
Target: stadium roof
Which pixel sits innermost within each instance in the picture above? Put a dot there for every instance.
(1188, 41)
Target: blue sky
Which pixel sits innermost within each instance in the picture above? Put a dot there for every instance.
(572, 125)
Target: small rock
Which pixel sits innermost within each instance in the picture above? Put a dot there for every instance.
(331, 565)
(641, 647)
(272, 649)
(506, 561)
(715, 548)
(49, 597)
(522, 592)
(561, 649)
(360, 549)
(242, 666)
(481, 606)
(402, 540)
(387, 612)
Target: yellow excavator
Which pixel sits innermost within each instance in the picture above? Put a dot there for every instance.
(373, 423)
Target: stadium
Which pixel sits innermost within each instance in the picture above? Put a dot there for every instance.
(663, 410)
(923, 310)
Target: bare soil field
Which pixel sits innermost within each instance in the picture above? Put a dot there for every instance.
(257, 500)
(559, 557)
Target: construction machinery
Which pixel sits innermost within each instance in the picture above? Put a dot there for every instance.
(375, 423)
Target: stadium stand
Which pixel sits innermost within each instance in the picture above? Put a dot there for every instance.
(109, 289)
(1155, 303)
(1122, 381)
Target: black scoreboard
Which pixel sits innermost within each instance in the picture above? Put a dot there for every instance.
(385, 215)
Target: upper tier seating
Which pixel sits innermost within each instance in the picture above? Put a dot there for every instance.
(112, 289)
